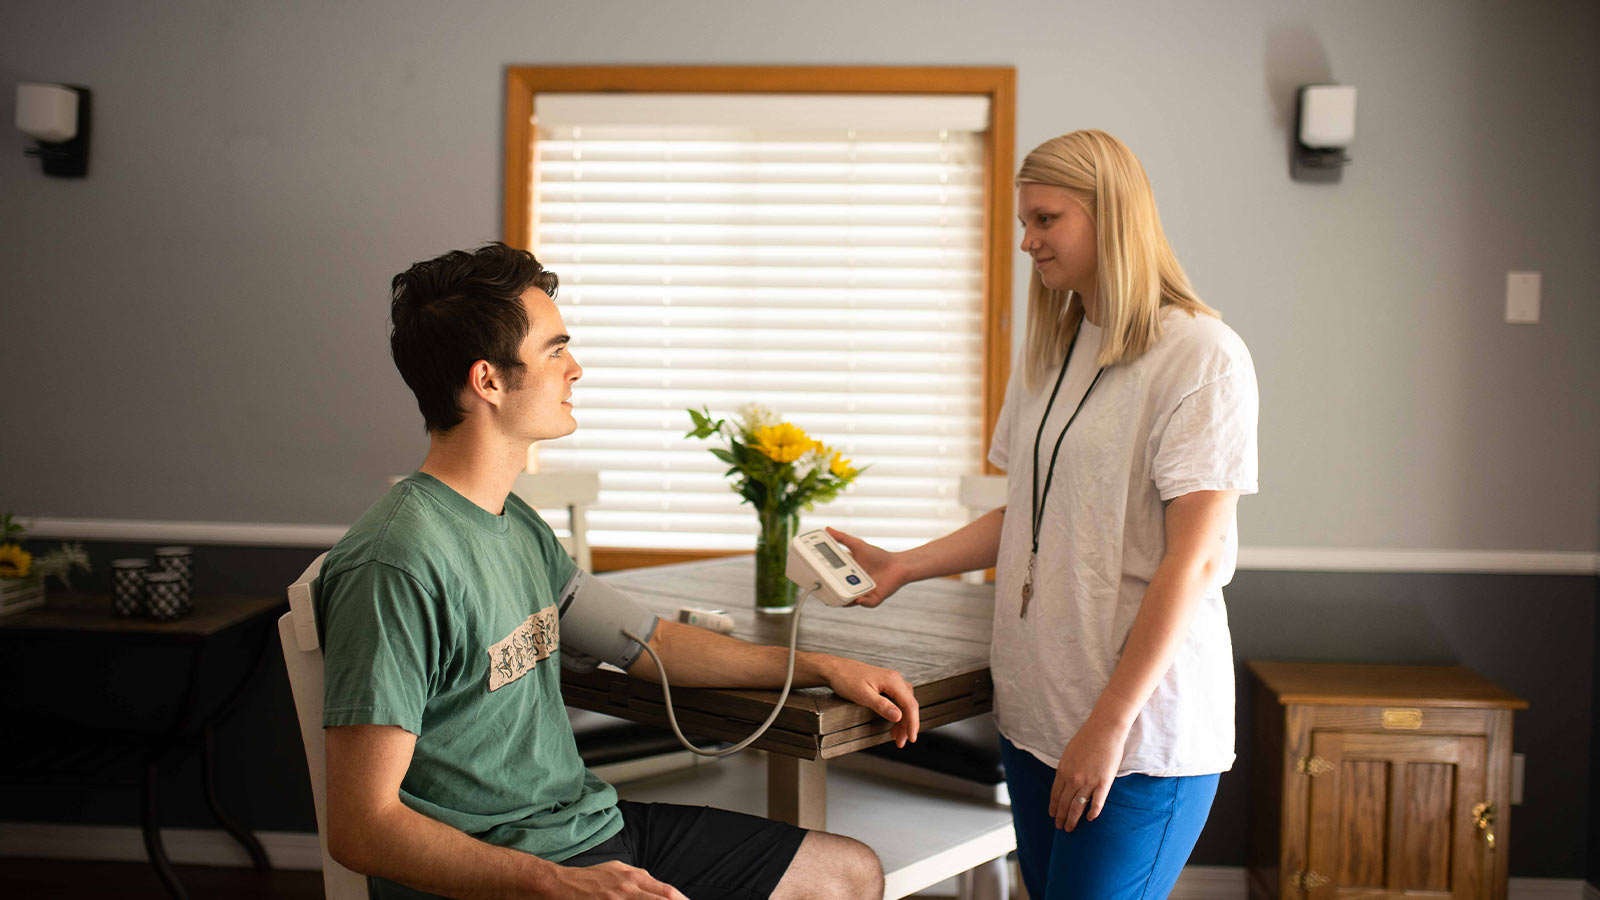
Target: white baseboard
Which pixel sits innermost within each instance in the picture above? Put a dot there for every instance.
(1380, 559)
(295, 850)
(1546, 889)
(1228, 883)
(1210, 883)
(1298, 559)
(249, 534)
(187, 846)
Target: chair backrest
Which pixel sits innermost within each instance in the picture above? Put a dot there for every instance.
(302, 655)
(571, 489)
(979, 494)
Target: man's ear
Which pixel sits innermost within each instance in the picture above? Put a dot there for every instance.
(485, 382)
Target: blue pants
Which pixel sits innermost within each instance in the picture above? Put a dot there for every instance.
(1133, 850)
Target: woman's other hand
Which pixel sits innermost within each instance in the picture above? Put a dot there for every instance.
(1087, 768)
(884, 567)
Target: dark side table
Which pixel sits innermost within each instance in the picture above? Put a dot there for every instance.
(84, 745)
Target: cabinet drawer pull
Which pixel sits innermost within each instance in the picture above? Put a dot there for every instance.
(1401, 718)
(1483, 817)
(1309, 881)
(1313, 766)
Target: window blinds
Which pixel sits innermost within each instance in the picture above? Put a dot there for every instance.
(820, 256)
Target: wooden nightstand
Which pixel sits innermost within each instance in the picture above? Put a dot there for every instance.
(1379, 782)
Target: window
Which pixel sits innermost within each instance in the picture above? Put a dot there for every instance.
(830, 243)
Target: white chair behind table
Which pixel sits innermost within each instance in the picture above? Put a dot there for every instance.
(979, 494)
(302, 655)
(573, 491)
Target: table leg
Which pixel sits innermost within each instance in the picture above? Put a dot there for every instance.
(246, 839)
(152, 838)
(797, 791)
(984, 881)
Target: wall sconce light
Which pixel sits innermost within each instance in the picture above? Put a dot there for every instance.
(1325, 126)
(57, 116)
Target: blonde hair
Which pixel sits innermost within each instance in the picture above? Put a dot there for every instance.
(1138, 274)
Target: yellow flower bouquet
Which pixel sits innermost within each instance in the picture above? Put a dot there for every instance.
(20, 585)
(779, 469)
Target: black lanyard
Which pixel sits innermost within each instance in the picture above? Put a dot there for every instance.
(1038, 496)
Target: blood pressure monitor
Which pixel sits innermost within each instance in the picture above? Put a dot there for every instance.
(815, 558)
(816, 563)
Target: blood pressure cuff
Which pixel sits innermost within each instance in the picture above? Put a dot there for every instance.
(593, 615)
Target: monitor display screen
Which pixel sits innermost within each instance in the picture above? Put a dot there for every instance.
(828, 554)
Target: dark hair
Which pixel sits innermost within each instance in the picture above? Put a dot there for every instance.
(449, 312)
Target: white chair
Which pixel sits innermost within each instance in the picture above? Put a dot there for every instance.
(979, 494)
(302, 655)
(575, 491)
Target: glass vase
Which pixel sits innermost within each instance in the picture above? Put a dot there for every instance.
(775, 593)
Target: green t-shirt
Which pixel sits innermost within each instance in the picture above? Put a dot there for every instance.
(441, 618)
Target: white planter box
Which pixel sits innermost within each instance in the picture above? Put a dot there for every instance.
(18, 594)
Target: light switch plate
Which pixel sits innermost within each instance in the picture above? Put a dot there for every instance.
(1519, 766)
(1522, 298)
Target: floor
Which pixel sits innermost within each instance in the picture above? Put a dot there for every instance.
(59, 879)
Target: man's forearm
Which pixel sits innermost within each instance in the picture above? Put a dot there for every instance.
(400, 844)
(695, 657)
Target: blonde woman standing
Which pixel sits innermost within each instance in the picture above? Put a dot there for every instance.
(1128, 435)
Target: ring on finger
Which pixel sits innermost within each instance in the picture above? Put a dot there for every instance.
(1081, 800)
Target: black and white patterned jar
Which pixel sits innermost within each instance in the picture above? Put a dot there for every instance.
(179, 561)
(165, 597)
(127, 586)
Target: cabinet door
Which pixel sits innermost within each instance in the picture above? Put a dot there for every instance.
(1391, 817)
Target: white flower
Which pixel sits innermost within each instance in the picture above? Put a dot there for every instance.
(60, 562)
(754, 415)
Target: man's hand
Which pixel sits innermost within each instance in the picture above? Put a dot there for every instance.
(887, 574)
(611, 881)
(884, 691)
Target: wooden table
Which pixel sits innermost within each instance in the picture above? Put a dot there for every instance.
(83, 624)
(935, 633)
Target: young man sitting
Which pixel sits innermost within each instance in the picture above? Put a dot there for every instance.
(452, 768)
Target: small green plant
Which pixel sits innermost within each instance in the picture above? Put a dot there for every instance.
(16, 562)
(9, 526)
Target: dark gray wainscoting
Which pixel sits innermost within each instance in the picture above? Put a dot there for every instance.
(1535, 634)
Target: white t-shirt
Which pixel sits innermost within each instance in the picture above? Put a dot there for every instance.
(1180, 418)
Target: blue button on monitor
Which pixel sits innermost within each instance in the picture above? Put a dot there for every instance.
(853, 579)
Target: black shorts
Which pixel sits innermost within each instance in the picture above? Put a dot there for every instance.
(705, 853)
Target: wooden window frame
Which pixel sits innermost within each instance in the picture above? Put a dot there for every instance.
(525, 83)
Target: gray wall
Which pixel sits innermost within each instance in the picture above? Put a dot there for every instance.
(196, 332)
